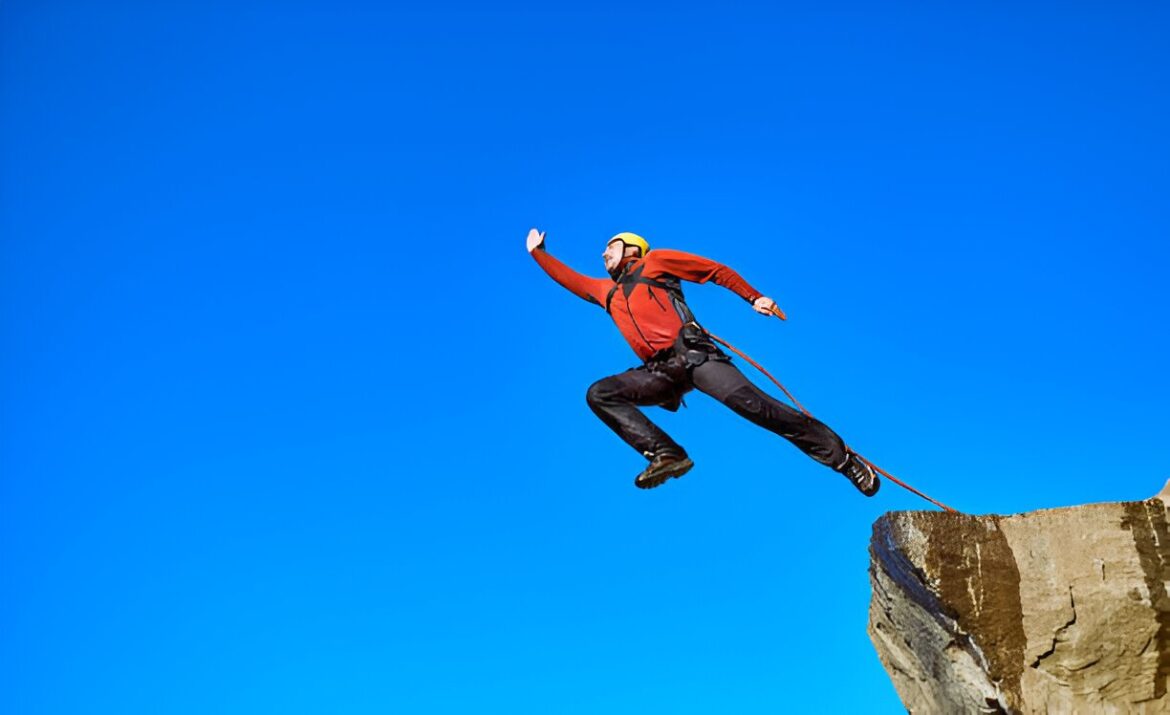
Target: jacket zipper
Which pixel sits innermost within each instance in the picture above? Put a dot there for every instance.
(630, 312)
(635, 323)
(655, 298)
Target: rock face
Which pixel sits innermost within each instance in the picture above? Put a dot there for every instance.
(1055, 611)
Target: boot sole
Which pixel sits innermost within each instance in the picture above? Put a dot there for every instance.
(674, 470)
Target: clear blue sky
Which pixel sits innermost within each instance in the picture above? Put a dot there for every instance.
(291, 423)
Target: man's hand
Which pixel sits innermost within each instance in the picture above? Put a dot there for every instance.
(535, 238)
(765, 305)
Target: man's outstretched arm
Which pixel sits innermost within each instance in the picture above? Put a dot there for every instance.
(697, 269)
(590, 289)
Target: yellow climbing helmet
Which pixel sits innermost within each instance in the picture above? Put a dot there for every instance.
(631, 239)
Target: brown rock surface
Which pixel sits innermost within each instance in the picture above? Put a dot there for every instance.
(1061, 610)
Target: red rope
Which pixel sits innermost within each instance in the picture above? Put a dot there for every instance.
(780, 314)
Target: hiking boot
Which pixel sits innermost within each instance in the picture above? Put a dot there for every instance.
(861, 474)
(663, 467)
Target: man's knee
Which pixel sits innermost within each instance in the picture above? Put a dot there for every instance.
(767, 411)
(600, 393)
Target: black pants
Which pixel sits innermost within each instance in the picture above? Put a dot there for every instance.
(662, 382)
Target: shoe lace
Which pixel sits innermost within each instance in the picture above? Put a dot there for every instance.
(858, 472)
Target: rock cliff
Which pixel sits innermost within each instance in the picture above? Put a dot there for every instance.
(1061, 610)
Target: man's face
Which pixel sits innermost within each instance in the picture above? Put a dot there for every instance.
(613, 254)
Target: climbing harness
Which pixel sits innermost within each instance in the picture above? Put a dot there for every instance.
(780, 314)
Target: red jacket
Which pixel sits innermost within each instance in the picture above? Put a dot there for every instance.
(643, 312)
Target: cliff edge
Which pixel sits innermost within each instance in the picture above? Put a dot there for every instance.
(1060, 610)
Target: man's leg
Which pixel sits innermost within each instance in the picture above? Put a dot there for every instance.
(724, 382)
(615, 400)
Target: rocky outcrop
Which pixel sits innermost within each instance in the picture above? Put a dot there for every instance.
(1061, 610)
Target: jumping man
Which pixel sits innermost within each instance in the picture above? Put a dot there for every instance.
(644, 298)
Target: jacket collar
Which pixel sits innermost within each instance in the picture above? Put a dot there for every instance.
(623, 267)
